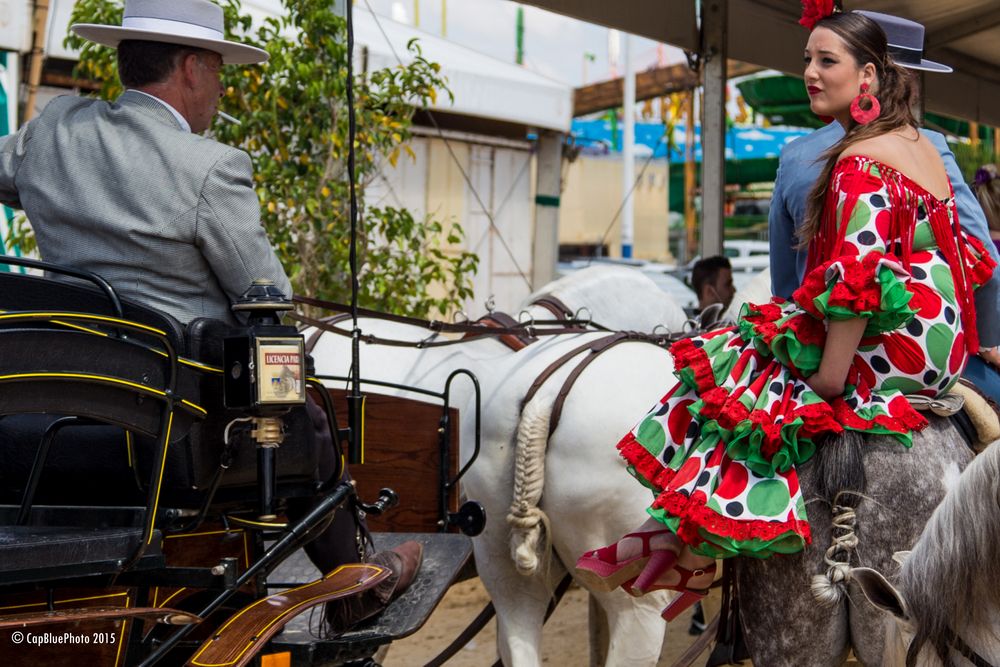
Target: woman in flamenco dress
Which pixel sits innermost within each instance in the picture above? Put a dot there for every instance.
(885, 310)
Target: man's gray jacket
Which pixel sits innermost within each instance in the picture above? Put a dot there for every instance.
(798, 171)
(168, 217)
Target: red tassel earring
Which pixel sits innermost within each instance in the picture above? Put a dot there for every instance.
(865, 116)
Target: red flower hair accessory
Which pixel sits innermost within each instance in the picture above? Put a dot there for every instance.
(815, 10)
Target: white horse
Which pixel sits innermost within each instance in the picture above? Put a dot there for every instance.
(588, 499)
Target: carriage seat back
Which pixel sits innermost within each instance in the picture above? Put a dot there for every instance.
(110, 457)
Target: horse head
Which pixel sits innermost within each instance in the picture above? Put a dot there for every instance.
(945, 608)
(617, 297)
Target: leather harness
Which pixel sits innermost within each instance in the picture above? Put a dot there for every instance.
(552, 304)
(500, 320)
(592, 349)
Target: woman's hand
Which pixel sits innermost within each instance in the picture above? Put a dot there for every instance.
(991, 355)
(824, 387)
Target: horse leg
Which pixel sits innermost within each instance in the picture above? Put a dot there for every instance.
(783, 623)
(520, 602)
(635, 629)
(591, 500)
(894, 512)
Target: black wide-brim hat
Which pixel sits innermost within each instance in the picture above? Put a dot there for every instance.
(906, 41)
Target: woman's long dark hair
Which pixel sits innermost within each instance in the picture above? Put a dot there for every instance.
(893, 87)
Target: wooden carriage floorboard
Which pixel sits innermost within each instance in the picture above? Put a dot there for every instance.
(236, 642)
(445, 555)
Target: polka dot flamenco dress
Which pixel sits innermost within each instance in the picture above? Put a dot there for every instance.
(720, 449)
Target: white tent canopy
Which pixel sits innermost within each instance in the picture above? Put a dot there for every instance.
(484, 87)
(962, 33)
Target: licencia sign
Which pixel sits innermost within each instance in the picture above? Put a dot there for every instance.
(279, 367)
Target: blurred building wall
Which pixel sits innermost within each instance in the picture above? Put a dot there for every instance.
(592, 195)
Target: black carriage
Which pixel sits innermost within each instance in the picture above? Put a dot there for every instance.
(142, 517)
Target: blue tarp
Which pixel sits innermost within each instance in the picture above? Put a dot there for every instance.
(741, 142)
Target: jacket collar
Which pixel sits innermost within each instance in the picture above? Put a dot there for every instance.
(150, 106)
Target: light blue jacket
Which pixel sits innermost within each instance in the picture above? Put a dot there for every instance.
(798, 170)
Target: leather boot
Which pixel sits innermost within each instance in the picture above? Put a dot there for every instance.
(403, 561)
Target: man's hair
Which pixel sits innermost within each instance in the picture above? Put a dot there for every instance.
(706, 270)
(141, 63)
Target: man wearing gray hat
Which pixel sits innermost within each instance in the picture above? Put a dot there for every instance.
(130, 190)
(799, 168)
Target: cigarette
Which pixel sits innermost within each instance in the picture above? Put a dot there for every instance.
(224, 116)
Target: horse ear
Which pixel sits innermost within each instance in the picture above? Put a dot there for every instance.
(880, 592)
(901, 556)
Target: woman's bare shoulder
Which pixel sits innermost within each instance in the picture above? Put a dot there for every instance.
(889, 148)
(908, 152)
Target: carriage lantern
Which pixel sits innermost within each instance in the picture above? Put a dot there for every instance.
(264, 366)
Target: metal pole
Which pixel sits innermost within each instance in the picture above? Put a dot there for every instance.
(714, 17)
(355, 400)
(548, 186)
(690, 180)
(519, 36)
(628, 152)
(37, 57)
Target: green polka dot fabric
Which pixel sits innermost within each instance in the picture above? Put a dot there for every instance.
(719, 451)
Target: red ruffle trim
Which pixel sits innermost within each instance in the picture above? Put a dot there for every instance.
(645, 464)
(807, 330)
(981, 270)
(764, 318)
(817, 418)
(695, 516)
(902, 417)
(858, 289)
(687, 355)
(812, 286)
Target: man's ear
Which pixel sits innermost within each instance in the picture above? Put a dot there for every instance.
(187, 69)
(880, 592)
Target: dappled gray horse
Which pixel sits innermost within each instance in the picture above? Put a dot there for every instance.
(783, 621)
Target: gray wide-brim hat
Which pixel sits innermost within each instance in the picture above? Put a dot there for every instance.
(906, 41)
(197, 23)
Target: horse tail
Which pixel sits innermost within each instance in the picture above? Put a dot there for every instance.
(529, 524)
(950, 577)
(840, 480)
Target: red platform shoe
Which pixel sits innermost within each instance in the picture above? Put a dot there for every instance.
(600, 569)
(687, 597)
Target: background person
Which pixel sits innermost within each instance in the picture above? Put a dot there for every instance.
(712, 281)
(986, 185)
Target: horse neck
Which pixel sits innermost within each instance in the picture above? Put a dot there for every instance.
(627, 305)
(950, 578)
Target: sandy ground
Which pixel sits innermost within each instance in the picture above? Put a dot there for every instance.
(565, 637)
